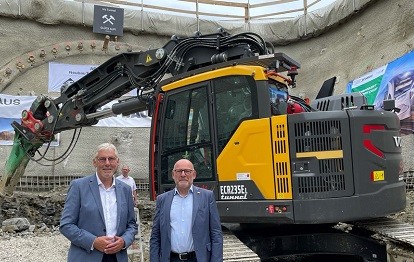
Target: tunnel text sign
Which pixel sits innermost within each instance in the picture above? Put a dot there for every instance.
(108, 20)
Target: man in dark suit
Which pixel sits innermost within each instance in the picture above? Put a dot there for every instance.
(186, 224)
(98, 217)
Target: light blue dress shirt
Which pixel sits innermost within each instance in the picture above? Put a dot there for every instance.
(181, 216)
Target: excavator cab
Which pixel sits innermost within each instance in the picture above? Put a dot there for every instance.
(192, 127)
(198, 116)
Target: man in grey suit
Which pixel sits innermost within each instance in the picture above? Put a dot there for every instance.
(186, 224)
(98, 217)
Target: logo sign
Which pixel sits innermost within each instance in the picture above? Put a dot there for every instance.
(233, 192)
(397, 141)
(108, 20)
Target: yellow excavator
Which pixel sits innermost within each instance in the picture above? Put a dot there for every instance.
(270, 157)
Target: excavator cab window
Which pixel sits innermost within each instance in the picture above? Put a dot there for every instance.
(186, 133)
(188, 123)
(233, 103)
(170, 109)
(278, 99)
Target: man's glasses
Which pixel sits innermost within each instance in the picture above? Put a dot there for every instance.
(186, 171)
(103, 160)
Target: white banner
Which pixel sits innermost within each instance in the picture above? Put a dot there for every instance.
(62, 74)
(11, 108)
(140, 119)
(66, 74)
(135, 120)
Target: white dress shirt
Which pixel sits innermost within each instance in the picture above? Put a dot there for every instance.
(128, 180)
(108, 199)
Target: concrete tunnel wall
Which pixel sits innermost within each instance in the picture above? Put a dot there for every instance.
(369, 38)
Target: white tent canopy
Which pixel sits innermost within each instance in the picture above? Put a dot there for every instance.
(144, 16)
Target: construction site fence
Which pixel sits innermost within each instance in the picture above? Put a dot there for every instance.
(47, 183)
(409, 180)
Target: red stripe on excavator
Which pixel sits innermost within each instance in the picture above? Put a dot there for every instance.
(368, 143)
(152, 143)
(368, 128)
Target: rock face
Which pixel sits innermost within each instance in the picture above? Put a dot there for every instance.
(36, 209)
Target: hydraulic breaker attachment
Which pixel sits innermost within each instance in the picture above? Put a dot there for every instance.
(15, 166)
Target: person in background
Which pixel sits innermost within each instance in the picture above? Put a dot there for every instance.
(186, 224)
(128, 180)
(98, 216)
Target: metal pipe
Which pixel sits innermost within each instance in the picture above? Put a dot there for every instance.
(83, 12)
(53, 167)
(305, 14)
(248, 14)
(142, 15)
(198, 21)
(100, 114)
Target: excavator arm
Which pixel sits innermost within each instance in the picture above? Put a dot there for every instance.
(79, 103)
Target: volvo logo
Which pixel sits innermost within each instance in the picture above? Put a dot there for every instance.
(397, 141)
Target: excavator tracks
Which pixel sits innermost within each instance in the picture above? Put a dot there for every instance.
(390, 229)
(234, 250)
(381, 239)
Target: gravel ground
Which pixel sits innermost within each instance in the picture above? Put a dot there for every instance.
(51, 247)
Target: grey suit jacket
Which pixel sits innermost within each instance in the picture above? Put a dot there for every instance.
(206, 228)
(83, 219)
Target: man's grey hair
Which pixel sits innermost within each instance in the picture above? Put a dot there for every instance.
(106, 146)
